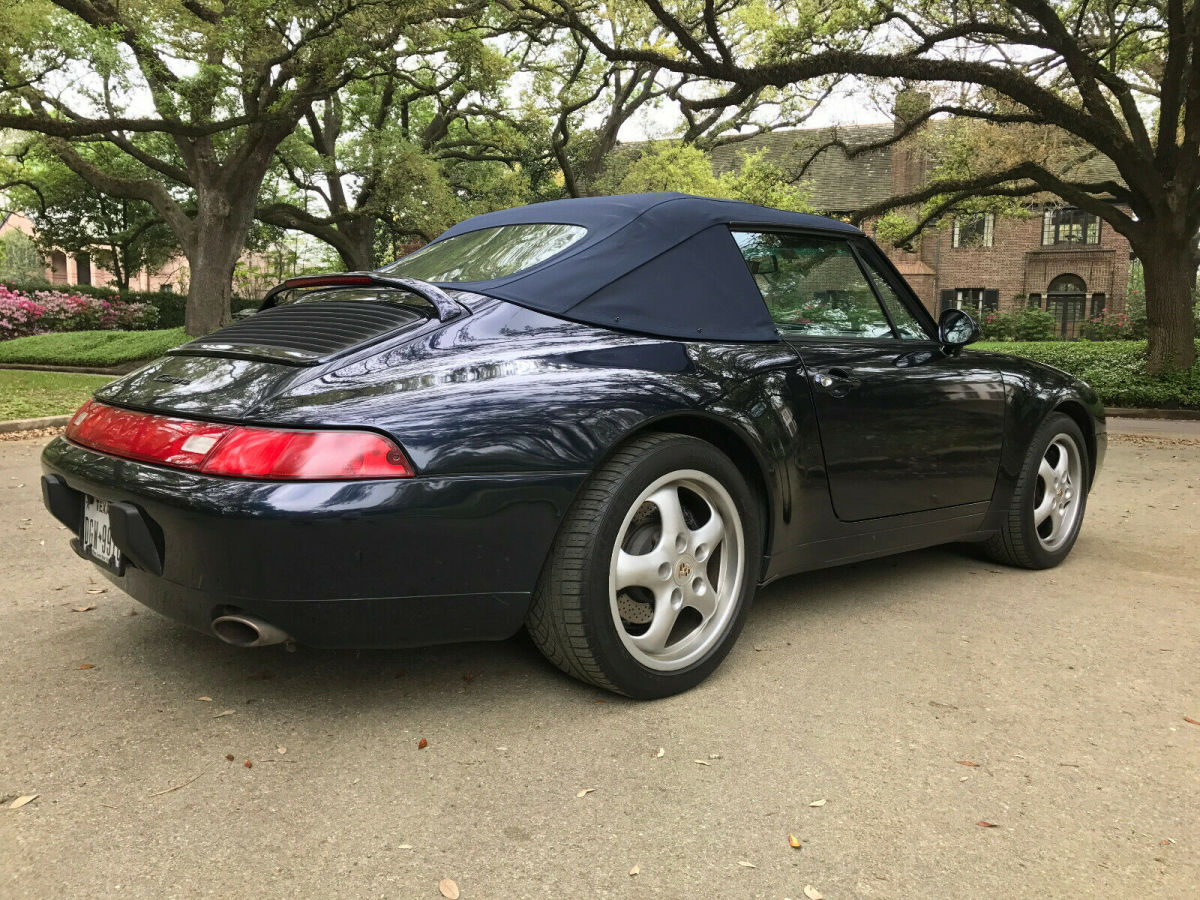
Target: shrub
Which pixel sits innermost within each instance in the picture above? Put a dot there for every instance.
(1113, 326)
(1115, 369)
(172, 308)
(49, 311)
(1026, 324)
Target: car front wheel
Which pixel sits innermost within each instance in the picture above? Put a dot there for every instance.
(1048, 503)
(652, 571)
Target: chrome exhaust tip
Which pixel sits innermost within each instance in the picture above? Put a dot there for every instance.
(243, 630)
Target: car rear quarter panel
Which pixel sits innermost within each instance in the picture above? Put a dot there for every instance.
(512, 390)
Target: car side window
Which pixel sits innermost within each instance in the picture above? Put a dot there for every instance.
(813, 285)
(907, 325)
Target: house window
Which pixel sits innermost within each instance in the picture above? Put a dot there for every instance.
(974, 231)
(83, 268)
(975, 301)
(1099, 302)
(1065, 225)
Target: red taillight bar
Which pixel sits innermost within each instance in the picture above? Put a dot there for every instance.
(236, 450)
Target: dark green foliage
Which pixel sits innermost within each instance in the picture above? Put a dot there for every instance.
(1026, 324)
(1116, 369)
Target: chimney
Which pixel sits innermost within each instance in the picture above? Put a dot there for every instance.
(910, 104)
(909, 170)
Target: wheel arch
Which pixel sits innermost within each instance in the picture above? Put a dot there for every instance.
(1079, 413)
(734, 443)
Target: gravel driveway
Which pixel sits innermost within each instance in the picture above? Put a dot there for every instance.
(881, 713)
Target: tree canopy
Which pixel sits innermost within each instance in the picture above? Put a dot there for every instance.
(1110, 88)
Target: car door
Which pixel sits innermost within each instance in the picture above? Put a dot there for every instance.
(904, 426)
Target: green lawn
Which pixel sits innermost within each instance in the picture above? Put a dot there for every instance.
(90, 348)
(31, 395)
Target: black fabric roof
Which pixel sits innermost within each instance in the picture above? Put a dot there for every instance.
(660, 264)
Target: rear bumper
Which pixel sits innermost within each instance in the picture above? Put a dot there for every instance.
(395, 563)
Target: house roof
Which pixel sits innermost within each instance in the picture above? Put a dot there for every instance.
(837, 183)
(841, 184)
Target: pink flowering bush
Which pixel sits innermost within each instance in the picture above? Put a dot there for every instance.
(45, 311)
(1112, 326)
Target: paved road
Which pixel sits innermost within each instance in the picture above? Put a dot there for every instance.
(867, 687)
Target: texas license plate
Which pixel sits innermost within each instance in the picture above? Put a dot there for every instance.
(97, 534)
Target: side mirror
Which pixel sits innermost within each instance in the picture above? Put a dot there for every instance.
(956, 329)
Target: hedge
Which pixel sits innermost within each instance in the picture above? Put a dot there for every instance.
(90, 348)
(1115, 369)
(171, 307)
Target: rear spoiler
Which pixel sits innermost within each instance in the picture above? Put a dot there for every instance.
(447, 308)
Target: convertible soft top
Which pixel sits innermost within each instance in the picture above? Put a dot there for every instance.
(662, 264)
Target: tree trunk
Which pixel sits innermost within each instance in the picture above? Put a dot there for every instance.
(358, 250)
(223, 217)
(1170, 280)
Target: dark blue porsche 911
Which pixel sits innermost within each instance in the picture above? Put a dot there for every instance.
(609, 420)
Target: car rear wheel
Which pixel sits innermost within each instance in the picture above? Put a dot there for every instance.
(1048, 503)
(652, 571)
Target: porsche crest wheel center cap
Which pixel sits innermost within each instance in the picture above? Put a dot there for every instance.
(684, 569)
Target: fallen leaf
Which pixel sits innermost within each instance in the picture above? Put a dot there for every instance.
(1190, 720)
(87, 608)
(229, 756)
(702, 762)
(585, 792)
(224, 712)
(794, 841)
(1165, 841)
(97, 590)
(812, 893)
(422, 744)
(281, 750)
(21, 801)
(448, 889)
(967, 762)
(818, 803)
(660, 753)
(248, 764)
(983, 824)
(205, 699)
(748, 865)
(85, 666)
(635, 870)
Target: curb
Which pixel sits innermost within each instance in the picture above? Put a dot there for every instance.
(30, 424)
(122, 369)
(1126, 412)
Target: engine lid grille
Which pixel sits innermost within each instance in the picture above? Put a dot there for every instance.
(305, 333)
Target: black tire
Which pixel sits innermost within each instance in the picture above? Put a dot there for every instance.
(1019, 542)
(572, 616)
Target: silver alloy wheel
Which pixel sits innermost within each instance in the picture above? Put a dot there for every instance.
(676, 570)
(1056, 496)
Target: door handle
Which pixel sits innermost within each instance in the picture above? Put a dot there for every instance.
(836, 380)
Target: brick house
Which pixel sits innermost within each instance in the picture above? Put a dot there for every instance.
(1060, 259)
(65, 269)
